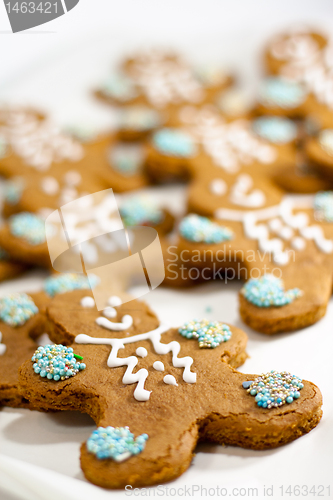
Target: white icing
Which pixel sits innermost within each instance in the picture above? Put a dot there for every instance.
(170, 380)
(38, 142)
(165, 80)
(281, 221)
(142, 352)
(230, 145)
(218, 187)
(126, 322)
(50, 185)
(140, 393)
(316, 234)
(87, 302)
(298, 243)
(3, 347)
(110, 312)
(115, 301)
(158, 366)
(241, 196)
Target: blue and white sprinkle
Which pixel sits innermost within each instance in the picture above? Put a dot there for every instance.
(17, 308)
(274, 389)
(201, 230)
(210, 334)
(268, 291)
(56, 362)
(117, 443)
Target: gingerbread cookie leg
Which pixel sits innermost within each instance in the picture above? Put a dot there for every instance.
(154, 391)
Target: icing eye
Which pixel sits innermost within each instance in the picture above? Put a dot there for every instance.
(281, 92)
(140, 212)
(68, 282)
(201, 230)
(174, 142)
(268, 291)
(28, 226)
(117, 443)
(326, 140)
(210, 334)
(274, 389)
(275, 129)
(57, 362)
(17, 308)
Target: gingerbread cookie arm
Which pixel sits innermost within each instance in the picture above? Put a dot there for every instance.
(17, 344)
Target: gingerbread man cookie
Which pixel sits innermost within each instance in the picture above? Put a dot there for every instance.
(154, 391)
(291, 241)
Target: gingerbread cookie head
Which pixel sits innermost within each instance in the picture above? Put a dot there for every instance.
(159, 83)
(136, 369)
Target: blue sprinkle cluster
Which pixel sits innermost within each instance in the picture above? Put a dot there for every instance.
(140, 118)
(117, 443)
(268, 291)
(274, 389)
(29, 227)
(139, 211)
(275, 129)
(120, 87)
(127, 158)
(281, 92)
(201, 230)
(67, 282)
(210, 334)
(13, 191)
(174, 142)
(323, 206)
(17, 308)
(57, 362)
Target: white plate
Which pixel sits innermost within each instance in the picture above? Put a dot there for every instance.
(42, 450)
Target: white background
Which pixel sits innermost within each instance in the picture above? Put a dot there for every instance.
(53, 66)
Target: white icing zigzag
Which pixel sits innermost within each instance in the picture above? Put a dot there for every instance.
(140, 393)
